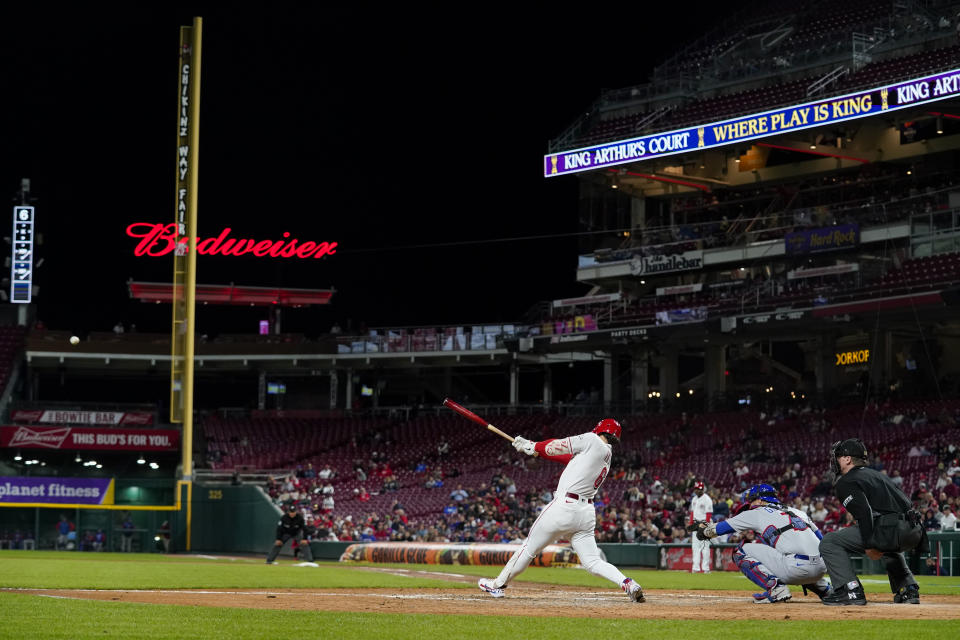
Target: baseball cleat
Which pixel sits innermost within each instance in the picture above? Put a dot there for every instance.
(779, 593)
(843, 596)
(907, 595)
(486, 584)
(633, 590)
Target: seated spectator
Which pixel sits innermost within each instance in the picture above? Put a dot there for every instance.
(819, 513)
(458, 494)
(324, 474)
(897, 479)
(948, 521)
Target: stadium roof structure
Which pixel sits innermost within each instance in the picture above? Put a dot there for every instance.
(231, 294)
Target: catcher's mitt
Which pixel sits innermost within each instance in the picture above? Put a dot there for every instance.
(695, 526)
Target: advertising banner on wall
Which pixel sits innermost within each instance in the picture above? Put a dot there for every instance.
(882, 99)
(59, 490)
(453, 553)
(75, 438)
(649, 265)
(54, 416)
(842, 236)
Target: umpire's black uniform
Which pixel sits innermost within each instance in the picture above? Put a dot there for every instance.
(885, 522)
(291, 527)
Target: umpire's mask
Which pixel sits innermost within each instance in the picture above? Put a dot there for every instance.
(851, 447)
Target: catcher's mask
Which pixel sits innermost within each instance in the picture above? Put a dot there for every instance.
(763, 492)
(608, 426)
(851, 447)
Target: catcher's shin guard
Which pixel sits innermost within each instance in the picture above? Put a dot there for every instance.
(754, 570)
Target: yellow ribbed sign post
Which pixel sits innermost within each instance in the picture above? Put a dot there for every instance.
(185, 256)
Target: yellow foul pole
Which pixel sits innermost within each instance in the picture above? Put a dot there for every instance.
(191, 275)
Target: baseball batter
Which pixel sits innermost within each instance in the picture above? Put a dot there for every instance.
(787, 551)
(701, 510)
(571, 514)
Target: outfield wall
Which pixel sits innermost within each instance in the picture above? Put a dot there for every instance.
(231, 519)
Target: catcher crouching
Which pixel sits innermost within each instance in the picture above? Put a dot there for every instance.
(787, 548)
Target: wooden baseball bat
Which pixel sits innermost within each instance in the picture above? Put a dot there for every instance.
(470, 415)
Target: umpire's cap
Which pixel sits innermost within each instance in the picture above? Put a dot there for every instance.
(851, 447)
(291, 505)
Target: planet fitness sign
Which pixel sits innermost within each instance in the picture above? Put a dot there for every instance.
(158, 239)
(56, 490)
(760, 125)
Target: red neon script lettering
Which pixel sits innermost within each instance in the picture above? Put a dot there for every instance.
(158, 239)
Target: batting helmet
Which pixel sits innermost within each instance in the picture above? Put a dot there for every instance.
(763, 492)
(608, 425)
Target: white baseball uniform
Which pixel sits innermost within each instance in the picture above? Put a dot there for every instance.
(571, 514)
(701, 510)
(787, 547)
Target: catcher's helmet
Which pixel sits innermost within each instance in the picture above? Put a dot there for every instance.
(699, 486)
(608, 425)
(763, 492)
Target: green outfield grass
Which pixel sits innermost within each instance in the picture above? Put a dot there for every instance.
(28, 616)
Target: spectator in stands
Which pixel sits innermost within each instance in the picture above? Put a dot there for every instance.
(327, 504)
(819, 513)
(920, 493)
(948, 521)
(897, 479)
(721, 508)
(917, 450)
(118, 328)
(458, 494)
(953, 470)
(443, 448)
(942, 481)
(819, 487)
(740, 469)
(930, 520)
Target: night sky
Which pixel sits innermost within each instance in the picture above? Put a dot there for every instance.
(392, 133)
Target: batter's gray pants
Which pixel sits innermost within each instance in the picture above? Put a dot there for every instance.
(837, 547)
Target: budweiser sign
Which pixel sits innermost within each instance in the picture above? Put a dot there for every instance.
(71, 438)
(158, 239)
(48, 438)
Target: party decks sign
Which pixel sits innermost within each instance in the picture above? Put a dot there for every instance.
(57, 490)
(760, 125)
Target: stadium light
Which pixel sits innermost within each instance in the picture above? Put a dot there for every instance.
(78, 458)
(140, 460)
(939, 125)
(18, 457)
(99, 466)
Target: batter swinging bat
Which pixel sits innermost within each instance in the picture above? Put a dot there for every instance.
(470, 415)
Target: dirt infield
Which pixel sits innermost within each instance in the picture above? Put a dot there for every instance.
(531, 600)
